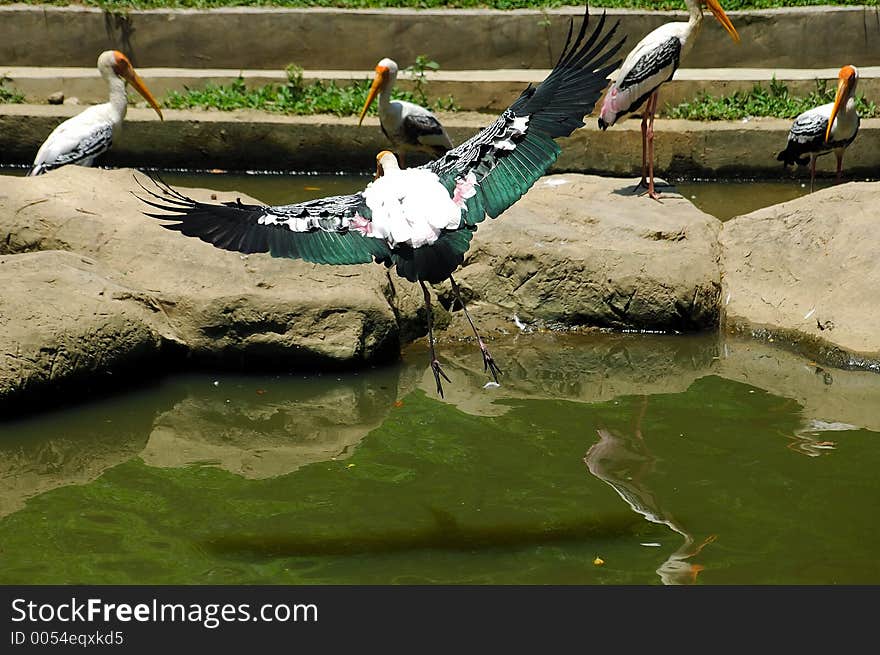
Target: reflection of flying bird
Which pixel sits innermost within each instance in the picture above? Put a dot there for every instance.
(624, 463)
(822, 129)
(81, 139)
(651, 63)
(421, 220)
(409, 127)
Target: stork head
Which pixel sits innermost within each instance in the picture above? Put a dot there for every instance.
(114, 63)
(386, 73)
(847, 79)
(386, 162)
(715, 7)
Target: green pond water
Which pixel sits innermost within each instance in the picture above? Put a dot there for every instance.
(601, 459)
(675, 460)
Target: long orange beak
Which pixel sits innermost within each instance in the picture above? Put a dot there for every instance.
(378, 83)
(135, 80)
(722, 18)
(843, 89)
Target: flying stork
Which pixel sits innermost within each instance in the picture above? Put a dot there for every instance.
(652, 62)
(420, 220)
(408, 126)
(822, 129)
(82, 138)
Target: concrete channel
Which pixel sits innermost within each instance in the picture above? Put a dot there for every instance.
(189, 48)
(459, 39)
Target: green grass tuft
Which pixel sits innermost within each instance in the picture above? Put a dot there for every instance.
(775, 101)
(298, 98)
(9, 96)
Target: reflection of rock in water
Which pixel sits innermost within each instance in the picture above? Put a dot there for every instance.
(260, 435)
(71, 446)
(582, 367)
(625, 464)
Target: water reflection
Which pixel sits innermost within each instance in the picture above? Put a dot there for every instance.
(624, 462)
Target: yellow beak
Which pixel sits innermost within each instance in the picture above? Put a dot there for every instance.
(135, 80)
(842, 94)
(722, 18)
(378, 82)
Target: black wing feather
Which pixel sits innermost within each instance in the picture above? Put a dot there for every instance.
(244, 228)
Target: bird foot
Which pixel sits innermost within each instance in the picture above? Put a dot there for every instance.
(489, 363)
(438, 373)
(653, 195)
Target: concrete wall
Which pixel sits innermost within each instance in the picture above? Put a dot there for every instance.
(811, 37)
(257, 141)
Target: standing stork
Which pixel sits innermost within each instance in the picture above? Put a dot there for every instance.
(408, 126)
(651, 63)
(822, 129)
(420, 220)
(82, 138)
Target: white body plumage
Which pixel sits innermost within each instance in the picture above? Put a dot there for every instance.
(627, 94)
(411, 206)
(82, 138)
(408, 126)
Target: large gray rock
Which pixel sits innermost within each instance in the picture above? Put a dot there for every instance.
(64, 326)
(222, 306)
(806, 273)
(582, 250)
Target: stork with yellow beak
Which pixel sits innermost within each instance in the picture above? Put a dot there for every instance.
(652, 62)
(408, 126)
(822, 129)
(81, 139)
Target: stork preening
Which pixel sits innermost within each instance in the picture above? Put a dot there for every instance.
(828, 127)
(421, 220)
(408, 126)
(652, 62)
(83, 138)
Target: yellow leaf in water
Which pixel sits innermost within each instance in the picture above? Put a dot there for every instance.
(312, 188)
(598, 561)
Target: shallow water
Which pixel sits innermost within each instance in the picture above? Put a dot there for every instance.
(723, 199)
(676, 460)
(672, 459)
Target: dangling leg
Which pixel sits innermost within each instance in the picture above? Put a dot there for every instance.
(435, 365)
(812, 171)
(401, 157)
(488, 362)
(652, 107)
(839, 154)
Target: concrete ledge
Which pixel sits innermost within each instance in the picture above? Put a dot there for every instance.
(317, 38)
(474, 90)
(249, 140)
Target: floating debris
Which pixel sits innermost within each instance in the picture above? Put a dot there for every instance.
(598, 561)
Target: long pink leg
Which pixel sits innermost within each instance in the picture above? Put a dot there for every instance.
(644, 181)
(652, 108)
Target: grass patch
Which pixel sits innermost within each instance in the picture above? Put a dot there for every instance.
(775, 101)
(9, 96)
(298, 98)
(120, 6)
